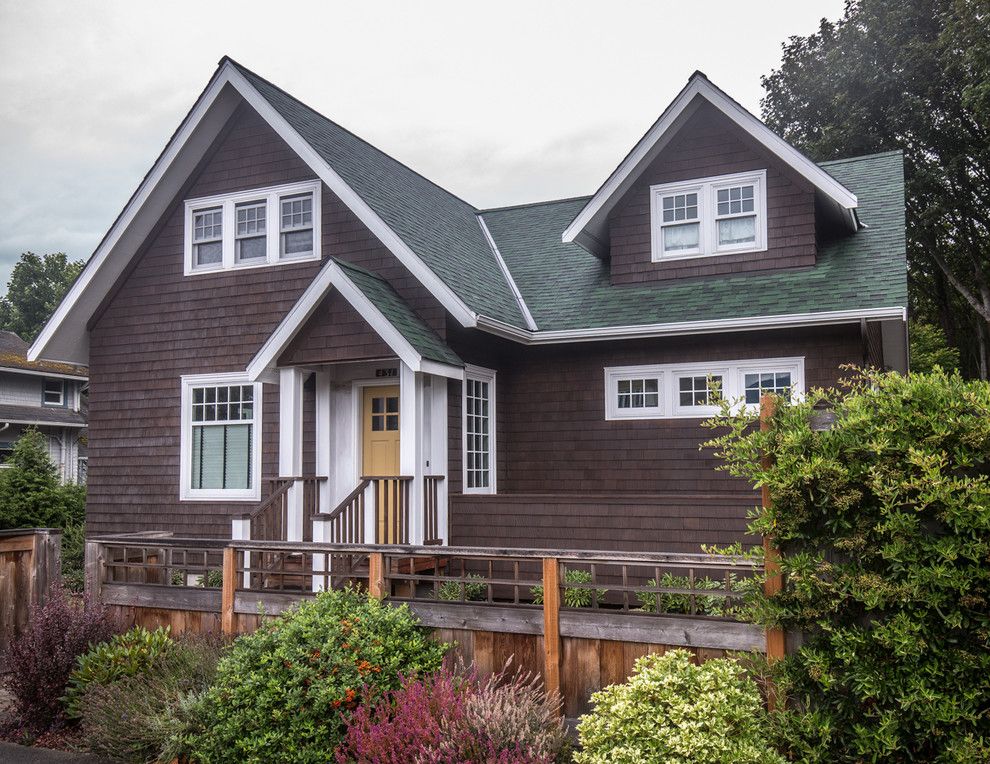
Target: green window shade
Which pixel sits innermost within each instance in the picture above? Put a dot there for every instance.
(221, 456)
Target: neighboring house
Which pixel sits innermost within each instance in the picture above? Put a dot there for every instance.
(48, 396)
(280, 298)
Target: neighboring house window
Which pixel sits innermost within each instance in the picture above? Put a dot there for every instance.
(479, 430)
(53, 393)
(697, 390)
(264, 226)
(6, 451)
(221, 427)
(710, 216)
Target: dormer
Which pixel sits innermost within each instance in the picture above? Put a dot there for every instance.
(711, 190)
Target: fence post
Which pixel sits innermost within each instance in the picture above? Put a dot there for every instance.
(376, 575)
(94, 571)
(776, 647)
(228, 620)
(551, 623)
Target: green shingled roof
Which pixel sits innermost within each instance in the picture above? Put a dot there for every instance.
(439, 227)
(566, 287)
(424, 340)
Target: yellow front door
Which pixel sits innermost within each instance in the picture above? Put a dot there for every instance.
(380, 449)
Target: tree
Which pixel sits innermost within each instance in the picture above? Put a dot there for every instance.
(929, 349)
(37, 285)
(911, 75)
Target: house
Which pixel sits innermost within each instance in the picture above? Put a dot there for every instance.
(292, 335)
(48, 396)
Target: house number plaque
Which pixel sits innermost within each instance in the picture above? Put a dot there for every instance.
(393, 372)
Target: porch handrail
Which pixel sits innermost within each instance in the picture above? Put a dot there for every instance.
(269, 519)
(347, 518)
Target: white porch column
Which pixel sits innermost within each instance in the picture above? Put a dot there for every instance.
(324, 446)
(290, 440)
(411, 445)
(438, 458)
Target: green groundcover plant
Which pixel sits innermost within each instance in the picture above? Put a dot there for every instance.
(883, 522)
(672, 711)
(283, 693)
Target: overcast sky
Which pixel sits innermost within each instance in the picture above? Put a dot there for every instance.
(500, 102)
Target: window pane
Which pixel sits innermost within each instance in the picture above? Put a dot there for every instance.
(208, 254)
(476, 429)
(297, 212)
(250, 219)
(296, 243)
(208, 225)
(677, 238)
(237, 456)
(737, 230)
(252, 249)
(759, 384)
(638, 393)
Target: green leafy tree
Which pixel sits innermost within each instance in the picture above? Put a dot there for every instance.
(930, 348)
(883, 524)
(37, 285)
(911, 75)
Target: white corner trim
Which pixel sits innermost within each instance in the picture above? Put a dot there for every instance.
(438, 288)
(186, 492)
(530, 322)
(700, 85)
(333, 276)
(753, 323)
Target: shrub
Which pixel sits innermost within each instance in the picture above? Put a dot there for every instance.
(452, 717)
(704, 605)
(42, 658)
(282, 693)
(671, 711)
(452, 590)
(572, 597)
(142, 717)
(883, 522)
(122, 655)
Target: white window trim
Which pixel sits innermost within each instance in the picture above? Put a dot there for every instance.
(273, 220)
(186, 492)
(707, 215)
(63, 397)
(483, 375)
(733, 375)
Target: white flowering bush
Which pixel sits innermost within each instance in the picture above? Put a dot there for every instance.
(671, 711)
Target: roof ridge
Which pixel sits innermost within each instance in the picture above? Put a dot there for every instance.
(544, 203)
(860, 157)
(346, 130)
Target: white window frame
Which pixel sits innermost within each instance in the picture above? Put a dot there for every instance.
(480, 374)
(272, 197)
(733, 388)
(186, 491)
(708, 217)
(63, 397)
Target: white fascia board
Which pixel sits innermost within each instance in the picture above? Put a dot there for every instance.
(438, 288)
(43, 423)
(196, 133)
(331, 276)
(648, 145)
(40, 373)
(753, 323)
(530, 322)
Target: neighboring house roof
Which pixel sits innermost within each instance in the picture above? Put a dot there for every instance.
(13, 355)
(568, 289)
(389, 315)
(39, 415)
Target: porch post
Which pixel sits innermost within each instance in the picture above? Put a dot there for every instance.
(290, 440)
(324, 448)
(411, 445)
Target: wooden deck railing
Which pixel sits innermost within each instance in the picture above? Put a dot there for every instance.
(431, 509)
(344, 524)
(347, 522)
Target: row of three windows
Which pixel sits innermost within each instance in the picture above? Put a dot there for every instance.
(697, 390)
(261, 227)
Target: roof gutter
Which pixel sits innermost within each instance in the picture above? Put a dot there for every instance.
(753, 323)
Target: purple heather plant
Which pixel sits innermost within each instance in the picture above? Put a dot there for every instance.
(43, 657)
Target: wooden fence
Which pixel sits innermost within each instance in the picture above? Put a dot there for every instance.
(577, 618)
(30, 562)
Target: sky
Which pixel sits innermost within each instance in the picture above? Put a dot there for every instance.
(500, 102)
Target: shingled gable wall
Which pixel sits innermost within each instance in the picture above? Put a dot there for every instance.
(159, 324)
(708, 145)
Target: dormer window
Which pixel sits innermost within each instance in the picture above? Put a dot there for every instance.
(265, 226)
(709, 216)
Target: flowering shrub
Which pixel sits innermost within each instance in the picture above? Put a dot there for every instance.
(572, 597)
(122, 655)
(671, 711)
(42, 658)
(452, 718)
(282, 694)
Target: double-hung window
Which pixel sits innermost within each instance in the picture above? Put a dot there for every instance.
(478, 411)
(221, 428)
(53, 392)
(709, 216)
(674, 390)
(264, 226)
